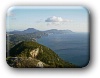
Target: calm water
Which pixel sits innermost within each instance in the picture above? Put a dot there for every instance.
(70, 47)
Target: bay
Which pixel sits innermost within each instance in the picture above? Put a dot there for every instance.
(72, 47)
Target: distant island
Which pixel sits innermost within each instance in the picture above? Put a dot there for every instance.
(32, 30)
(30, 34)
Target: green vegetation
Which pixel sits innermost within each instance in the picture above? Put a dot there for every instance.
(45, 55)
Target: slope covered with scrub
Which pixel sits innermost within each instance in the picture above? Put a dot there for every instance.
(33, 54)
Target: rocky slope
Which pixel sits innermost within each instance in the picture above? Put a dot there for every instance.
(31, 54)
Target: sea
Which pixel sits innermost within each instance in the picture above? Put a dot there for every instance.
(71, 47)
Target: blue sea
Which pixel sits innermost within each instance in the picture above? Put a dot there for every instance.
(73, 47)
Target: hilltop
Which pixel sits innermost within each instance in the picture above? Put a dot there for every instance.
(32, 54)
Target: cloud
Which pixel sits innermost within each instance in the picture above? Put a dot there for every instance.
(56, 19)
(10, 14)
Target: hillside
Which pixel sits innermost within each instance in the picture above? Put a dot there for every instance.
(31, 54)
(29, 30)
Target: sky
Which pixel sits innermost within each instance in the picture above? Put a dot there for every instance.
(73, 18)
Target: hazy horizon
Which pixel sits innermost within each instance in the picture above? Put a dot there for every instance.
(46, 18)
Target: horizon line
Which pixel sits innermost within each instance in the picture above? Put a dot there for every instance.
(44, 30)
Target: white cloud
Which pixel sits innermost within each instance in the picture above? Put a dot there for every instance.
(56, 19)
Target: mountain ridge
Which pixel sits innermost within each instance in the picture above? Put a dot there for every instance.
(42, 55)
(32, 30)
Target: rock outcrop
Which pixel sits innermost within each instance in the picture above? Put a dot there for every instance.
(34, 52)
(40, 64)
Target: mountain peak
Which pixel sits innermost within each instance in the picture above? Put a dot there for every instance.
(30, 30)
